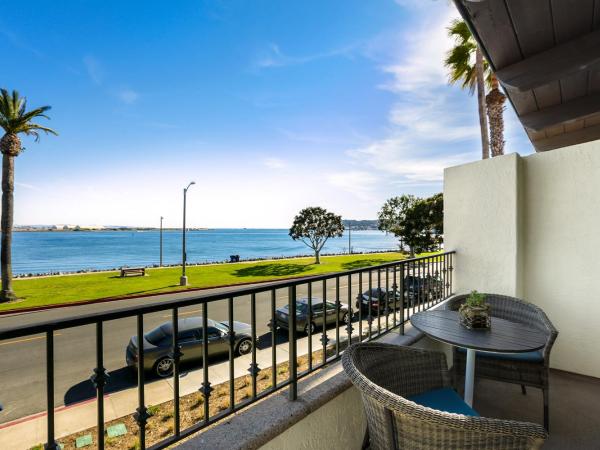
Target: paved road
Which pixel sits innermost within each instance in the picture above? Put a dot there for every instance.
(22, 361)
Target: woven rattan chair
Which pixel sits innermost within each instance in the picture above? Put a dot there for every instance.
(529, 369)
(387, 374)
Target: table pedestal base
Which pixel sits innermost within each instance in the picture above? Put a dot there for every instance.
(470, 376)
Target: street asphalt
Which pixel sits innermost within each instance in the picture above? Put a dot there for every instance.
(22, 361)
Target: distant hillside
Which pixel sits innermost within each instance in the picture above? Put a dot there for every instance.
(361, 224)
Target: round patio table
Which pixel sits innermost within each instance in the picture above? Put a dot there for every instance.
(504, 336)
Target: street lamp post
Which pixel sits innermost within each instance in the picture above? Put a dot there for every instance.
(349, 238)
(183, 281)
(161, 241)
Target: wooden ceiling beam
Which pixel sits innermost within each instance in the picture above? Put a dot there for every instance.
(576, 109)
(566, 139)
(553, 64)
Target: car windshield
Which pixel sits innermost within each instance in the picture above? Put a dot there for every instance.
(221, 326)
(301, 308)
(156, 336)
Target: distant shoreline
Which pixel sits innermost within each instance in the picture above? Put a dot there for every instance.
(99, 230)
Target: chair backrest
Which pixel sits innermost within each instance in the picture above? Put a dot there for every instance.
(385, 374)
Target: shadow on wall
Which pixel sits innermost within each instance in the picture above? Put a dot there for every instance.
(360, 263)
(276, 270)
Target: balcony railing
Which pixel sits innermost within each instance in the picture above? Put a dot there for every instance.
(386, 295)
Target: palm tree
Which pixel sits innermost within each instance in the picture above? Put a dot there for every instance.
(495, 108)
(475, 75)
(14, 120)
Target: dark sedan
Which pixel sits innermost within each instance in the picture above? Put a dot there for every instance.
(380, 300)
(158, 343)
(327, 312)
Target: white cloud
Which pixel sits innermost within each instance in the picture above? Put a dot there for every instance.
(128, 96)
(274, 163)
(94, 69)
(425, 49)
(428, 121)
(273, 57)
(357, 182)
(27, 186)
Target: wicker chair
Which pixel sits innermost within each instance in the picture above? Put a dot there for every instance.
(531, 370)
(386, 374)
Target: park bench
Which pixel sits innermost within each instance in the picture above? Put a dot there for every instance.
(125, 271)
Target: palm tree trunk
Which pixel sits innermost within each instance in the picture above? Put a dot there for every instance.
(495, 107)
(483, 125)
(8, 179)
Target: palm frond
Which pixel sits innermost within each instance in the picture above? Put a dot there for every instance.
(460, 58)
(14, 117)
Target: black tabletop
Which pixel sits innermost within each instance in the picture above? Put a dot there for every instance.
(503, 337)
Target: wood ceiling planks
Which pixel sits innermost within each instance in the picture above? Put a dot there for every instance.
(512, 31)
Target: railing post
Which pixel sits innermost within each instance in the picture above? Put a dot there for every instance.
(254, 370)
(51, 444)
(231, 337)
(99, 379)
(402, 299)
(293, 362)
(141, 415)
(205, 388)
(176, 355)
(273, 340)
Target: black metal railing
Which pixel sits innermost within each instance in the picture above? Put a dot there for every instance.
(379, 299)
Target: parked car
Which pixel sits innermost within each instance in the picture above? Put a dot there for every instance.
(380, 300)
(423, 288)
(158, 343)
(326, 311)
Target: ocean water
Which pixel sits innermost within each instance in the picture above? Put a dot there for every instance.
(44, 252)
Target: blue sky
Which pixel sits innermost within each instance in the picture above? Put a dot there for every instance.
(269, 106)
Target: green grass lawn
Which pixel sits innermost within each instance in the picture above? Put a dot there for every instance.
(73, 288)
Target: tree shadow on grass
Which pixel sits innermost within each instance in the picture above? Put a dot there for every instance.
(274, 270)
(360, 263)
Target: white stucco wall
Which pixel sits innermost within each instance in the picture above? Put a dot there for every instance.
(481, 216)
(529, 227)
(340, 423)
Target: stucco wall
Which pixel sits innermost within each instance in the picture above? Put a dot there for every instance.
(339, 423)
(529, 226)
(481, 216)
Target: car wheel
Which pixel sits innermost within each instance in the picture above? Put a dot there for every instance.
(164, 367)
(311, 329)
(244, 347)
(346, 318)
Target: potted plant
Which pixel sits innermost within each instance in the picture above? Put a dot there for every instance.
(475, 312)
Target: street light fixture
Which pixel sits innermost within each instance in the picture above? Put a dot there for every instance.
(161, 241)
(183, 281)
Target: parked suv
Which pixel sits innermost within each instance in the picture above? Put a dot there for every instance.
(380, 300)
(326, 312)
(158, 343)
(423, 288)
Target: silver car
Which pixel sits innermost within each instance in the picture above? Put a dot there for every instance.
(327, 312)
(158, 343)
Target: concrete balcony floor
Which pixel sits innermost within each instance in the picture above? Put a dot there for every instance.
(574, 408)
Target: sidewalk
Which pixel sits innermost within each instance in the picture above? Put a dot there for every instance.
(29, 431)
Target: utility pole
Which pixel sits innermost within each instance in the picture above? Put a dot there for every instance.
(349, 238)
(161, 241)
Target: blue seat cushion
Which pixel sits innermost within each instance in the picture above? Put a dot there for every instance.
(535, 356)
(445, 399)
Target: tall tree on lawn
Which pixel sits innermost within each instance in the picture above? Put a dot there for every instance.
(466, 64)
(14, 120)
